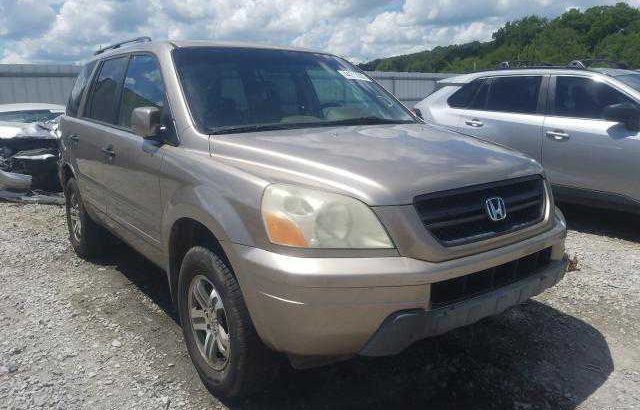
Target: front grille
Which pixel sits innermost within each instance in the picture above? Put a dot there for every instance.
(458, 216)
(466, 287)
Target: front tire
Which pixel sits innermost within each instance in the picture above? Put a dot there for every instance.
(227, 352)
(87, 237)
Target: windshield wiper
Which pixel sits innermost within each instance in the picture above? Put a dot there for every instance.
(367, 121)
(236, 129)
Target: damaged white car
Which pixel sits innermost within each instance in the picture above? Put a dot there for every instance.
(30, 112)
(28, 162)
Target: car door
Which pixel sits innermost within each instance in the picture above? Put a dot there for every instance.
(584, 151)
(134, 201)
(469, 97)
(84, 156)
(93, 132)
(508, 110)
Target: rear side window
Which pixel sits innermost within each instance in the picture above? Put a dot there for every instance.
(106, 89)
(581, 97)
(78, 89)
(462, 97)
(143, 87)
(514, 94)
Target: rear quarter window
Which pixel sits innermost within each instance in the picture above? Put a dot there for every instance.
(462, 97)
(471, 95)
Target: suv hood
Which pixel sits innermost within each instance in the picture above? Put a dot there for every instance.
(378, 164)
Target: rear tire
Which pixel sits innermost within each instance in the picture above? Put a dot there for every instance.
(223, 344)
(87, 237)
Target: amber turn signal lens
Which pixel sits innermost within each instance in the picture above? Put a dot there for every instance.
(284, 232)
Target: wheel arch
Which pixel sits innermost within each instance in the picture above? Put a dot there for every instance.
(66, 172)
(185, 233)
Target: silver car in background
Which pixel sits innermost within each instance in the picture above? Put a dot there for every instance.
(581, 123)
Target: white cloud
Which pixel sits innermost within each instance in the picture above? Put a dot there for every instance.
(20, 18)
(69, 30)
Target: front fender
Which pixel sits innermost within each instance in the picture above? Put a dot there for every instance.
(227, 219)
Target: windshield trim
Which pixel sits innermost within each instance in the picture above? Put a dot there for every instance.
(203, 130)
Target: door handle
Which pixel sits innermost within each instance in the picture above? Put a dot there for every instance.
(108, 151)
(557, 135)
(475, 123)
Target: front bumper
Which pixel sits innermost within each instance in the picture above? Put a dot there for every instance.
(14, 181)
(401, 329)
(340, 306)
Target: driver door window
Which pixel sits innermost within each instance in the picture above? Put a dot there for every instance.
(143, 87)
(581, 97)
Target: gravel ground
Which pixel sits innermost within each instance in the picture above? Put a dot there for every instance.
(97, 335)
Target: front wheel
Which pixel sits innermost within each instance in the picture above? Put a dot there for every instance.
(227, 352)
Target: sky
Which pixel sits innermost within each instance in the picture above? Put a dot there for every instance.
(68, 31)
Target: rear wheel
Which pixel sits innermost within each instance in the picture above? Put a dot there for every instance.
(86, 236)
(227, 352)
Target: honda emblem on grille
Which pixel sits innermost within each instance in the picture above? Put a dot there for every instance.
(495, 208)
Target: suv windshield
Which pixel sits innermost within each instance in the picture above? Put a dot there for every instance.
(632, 80)
(240, 90)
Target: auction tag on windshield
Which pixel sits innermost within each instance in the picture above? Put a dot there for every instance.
(354, 75)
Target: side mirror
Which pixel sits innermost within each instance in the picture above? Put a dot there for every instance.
(625, 113)
(145, 121)
(417, 113)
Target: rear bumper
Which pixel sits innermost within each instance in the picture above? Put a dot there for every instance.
(342, 306)
(401, 329)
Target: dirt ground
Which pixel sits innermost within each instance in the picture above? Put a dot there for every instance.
(75, 334)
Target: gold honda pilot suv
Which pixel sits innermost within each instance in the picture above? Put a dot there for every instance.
(297, 208)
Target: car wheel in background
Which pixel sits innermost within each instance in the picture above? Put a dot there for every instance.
(87, 237)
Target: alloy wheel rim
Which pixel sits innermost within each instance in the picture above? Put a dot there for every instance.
(74, 217)
(209, 325)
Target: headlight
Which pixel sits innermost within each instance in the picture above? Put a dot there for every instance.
(306, 218)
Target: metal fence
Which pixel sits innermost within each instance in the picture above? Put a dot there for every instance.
(36, 83)
(52, 83)
(409, 88)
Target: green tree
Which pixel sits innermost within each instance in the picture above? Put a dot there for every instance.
(612, 32)
(621, 47)
(557, 45)
(520, 32)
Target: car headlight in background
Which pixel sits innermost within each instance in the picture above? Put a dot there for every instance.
(307, 218)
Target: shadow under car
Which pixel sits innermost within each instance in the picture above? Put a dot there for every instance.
(530, 357)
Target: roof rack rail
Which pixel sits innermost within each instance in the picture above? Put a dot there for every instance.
(589, 62)
(505, 65)
(142, 39)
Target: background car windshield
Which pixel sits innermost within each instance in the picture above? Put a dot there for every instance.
(632, 80)
(29, 116)
(227, 87)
